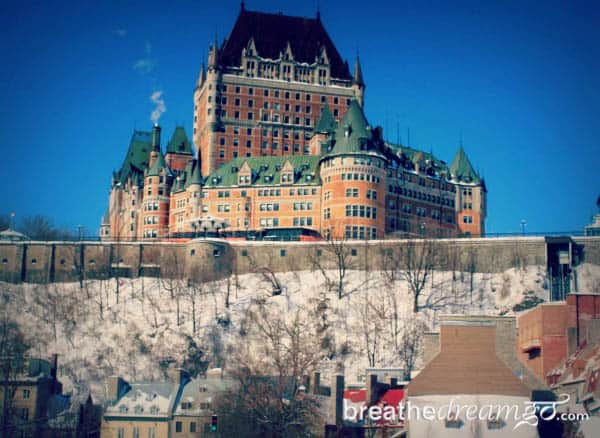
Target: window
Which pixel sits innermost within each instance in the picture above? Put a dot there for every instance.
(178, 426)
(467, 219)
(121, 432)
(193, 426)
(26, 394)
(282, 252)
(534, 353)
(136, 432)
(151, 432)
(354, 252)
(24, 414)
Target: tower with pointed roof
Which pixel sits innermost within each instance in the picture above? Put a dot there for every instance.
(358, 83)
(352, 169)
(471, 195)
(265, 87)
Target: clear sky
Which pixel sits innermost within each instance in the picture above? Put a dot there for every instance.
(519, 79)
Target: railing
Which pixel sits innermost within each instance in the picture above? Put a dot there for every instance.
(254, 235)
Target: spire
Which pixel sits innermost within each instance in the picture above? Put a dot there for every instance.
(326, 124)
(201, 75)
(158, 165)
(194, 177)
(461, 168)
(358, 76)
(242, 6)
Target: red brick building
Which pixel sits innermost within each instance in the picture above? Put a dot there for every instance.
(283, 142)
(551, 331)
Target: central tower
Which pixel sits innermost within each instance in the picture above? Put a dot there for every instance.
(265, 87)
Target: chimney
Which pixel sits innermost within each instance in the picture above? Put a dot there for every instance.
(337, 399)
(54, 366)
(156, 138)
(316, 383)
(177, 375)
(371, 385)
(115, 387)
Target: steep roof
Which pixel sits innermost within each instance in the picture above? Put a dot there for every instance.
(468, 363)
(358, 75)
(271, 34)
(462, 169)
(266, 170)
(136, 159)
(179, 143)
(326, 123)
(158, 165)
(354, 135)
(193, 175)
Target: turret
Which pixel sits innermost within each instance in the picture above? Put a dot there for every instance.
(358, 83)
(471, 195)
(353, 174)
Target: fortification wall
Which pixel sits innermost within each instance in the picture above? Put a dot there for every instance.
(209, 259)
(478, 255)
(40, 262)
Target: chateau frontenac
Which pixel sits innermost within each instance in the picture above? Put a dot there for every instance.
(281, 142)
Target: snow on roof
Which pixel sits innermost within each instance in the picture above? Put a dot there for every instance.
(202, 391)
(153, 399)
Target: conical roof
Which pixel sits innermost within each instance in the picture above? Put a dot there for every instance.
(326, 123)
(158, 165)
(353, 133)
(358, 76)
(461, 168)
(194, 176)
(179, 143)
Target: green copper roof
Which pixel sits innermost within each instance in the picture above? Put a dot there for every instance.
(354, 135)
(266, 171)
(193, 175)
(179, 143)
(136, 159)
(326, 123)
(462, 169)
(158, 165)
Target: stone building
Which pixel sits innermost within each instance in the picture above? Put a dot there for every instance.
(283, 142)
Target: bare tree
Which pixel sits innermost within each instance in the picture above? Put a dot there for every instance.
(411, 344)
(13, 348)
(334, 260)
(267, 273)
(267, 401)
(172, 279)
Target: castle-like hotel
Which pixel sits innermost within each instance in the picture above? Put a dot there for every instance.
(283, 143)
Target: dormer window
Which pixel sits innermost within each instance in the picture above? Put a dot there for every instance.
(186, 405)
(347, 131)
(154, 410)
(287, 177)
(123, 409)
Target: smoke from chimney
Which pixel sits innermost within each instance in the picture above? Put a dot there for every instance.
(156, 98)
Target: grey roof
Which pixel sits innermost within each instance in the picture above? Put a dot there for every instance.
(203, 390)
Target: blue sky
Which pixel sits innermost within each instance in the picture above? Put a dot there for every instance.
(519, 79)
